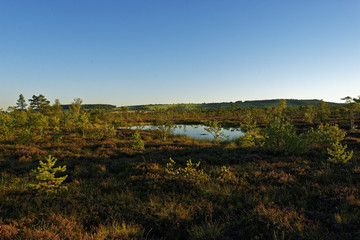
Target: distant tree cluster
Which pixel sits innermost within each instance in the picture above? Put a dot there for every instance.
(41, 104)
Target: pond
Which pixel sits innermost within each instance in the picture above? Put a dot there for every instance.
(196, 131)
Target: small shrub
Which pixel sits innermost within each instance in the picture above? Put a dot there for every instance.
(280, 136)
(164, 126)
(25, 136)
(252, 138)
(190, 172)
(227, 175)
(325, 135)
(6, 127)
(215, 129)
(110, 131)
(56, 134)
(338, 153)
(93, 132)
(136, 143)
(48, 182)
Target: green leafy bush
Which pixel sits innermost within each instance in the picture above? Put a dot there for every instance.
(325, 135)
(93, 132)
(136, 143)
(6, 126)
(338, 153)
(252, 138)
(47, 181)
(280, 136)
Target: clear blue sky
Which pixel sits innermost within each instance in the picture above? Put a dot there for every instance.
(128, 52)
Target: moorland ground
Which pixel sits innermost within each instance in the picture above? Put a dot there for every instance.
(289, 177)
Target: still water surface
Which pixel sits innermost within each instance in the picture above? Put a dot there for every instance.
(196, 131)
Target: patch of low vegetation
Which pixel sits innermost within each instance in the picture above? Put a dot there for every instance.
(287, 178)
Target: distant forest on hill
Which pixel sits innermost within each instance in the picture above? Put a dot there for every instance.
(91, 106)
(252, 103)
(190, 106)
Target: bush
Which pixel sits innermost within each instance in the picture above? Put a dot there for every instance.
(93, 132)
(252, 138)
(325, 135)
(280, 136)
(164, 126)
(226, 175)
(215, 129)
(6, 127)
(190, 172)
(338, 154)
(25, 136)
(56, 134)
(136, 143)
(48, 182)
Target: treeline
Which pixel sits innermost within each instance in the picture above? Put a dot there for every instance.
(40, 102)
(91, 106)
(252, 103)
(41, 120)
(24, 123)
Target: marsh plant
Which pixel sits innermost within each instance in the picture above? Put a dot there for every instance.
(47, 181)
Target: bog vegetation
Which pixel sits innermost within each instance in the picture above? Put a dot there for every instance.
(75, 174)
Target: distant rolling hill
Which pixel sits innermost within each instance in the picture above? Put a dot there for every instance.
(90, 106)
(253, 103)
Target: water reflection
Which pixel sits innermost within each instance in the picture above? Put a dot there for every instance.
(195, 131)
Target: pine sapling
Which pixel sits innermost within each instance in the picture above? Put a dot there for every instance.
(47, 181)
(338, 153)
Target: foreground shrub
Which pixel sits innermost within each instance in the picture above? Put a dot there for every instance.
(190, 172)
(48, 182)
(338, 154)
(280, 136)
